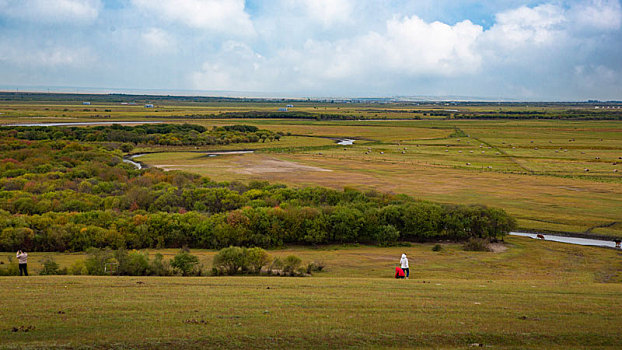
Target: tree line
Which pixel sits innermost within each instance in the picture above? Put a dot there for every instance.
(153, 134)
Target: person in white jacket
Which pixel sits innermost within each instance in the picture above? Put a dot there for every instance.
(404, 264)
(22, 259)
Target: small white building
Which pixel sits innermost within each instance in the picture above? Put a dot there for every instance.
(283, 109)
(290, 106)
(149, 105)
(86, 103)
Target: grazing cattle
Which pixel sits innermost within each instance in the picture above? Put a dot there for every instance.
(540, 236)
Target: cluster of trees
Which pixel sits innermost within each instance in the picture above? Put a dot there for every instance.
(276, 115)
(154, 134)
(65, 196)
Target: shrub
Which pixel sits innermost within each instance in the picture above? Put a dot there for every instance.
(11, 270)
(126, 147)
(159, 267)
(476, 245)
(97, 260)
(133, 263)
(291, 264)
(186, 263)
(256, 259)
(315, 266)
(50, 267)
(276, 266)
(437, 248)
(78, 268)
(230, 260)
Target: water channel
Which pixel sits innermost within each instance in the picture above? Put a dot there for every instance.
(570, 240)
(346, 142)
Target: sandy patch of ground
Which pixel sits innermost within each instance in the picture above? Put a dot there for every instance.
(168, 167)
(275, 166)
(498, 247)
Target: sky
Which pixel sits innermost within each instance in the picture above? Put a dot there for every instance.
(502, 49)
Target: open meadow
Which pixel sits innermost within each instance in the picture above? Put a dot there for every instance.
(528, 294)
(552, 175)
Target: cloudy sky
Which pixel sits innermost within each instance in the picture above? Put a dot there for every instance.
(527, 50)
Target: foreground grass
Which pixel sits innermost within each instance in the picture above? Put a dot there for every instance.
(533, 295)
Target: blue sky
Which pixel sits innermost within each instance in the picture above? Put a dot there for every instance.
(504, 49)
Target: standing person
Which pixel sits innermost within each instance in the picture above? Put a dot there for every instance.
(404, 265)
(22, 258)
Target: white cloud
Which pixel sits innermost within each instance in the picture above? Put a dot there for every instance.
(328, 12)
(226, 16)
(236, 67)
(409, 46)
(591, 76)
(527, 26)
(51, 11)
(598, 14)
(47, 57)
(159, 40)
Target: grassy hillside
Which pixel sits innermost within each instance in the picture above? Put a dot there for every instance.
(534, 294)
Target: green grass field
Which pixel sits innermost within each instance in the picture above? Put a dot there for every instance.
(535, 294)
(535, 170)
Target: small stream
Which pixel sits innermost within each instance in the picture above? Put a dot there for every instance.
(570, 240)
(136, 164)
(346, 142)
(130, 159)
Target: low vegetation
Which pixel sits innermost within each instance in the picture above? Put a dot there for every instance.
(61, 195)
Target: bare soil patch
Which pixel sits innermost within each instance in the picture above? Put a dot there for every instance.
(497, 247)
(271, 165)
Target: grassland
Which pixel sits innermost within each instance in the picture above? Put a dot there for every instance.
(552, 175)
(533, 295)
(536, 170)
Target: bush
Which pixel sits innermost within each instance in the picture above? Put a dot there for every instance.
(78, 268)
(291, 264)
(97, 261)
(256, 259)
(50, 267)
(186, 264)
(477, 245)
(133, 263)
(276, 266)
(230, 260)
(159, 267)
(315, 266)
(437, 248)
(11, 269)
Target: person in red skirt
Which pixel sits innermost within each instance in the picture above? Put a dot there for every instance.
(399, 273)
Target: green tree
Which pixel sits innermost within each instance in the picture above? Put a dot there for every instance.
(185, 263)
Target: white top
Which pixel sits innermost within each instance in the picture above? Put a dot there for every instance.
(22, 258)
(404, 261)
